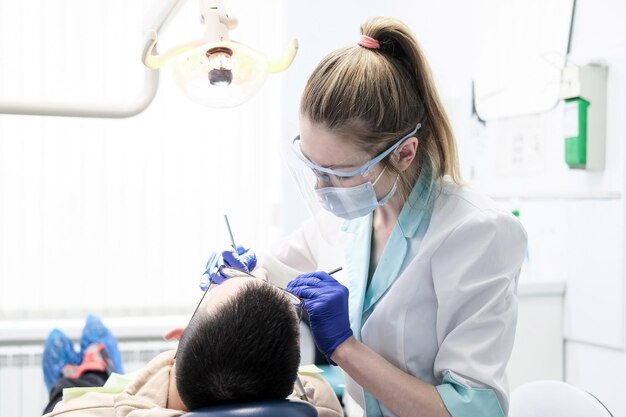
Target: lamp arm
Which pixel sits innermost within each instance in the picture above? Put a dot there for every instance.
(102, 110)
(88, 109)
(286, 59)
(155, 61)
(164, 15)
(84, 109)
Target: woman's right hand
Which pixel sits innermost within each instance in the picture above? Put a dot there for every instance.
(326, 301)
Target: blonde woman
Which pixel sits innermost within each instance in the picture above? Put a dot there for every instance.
(422, 317)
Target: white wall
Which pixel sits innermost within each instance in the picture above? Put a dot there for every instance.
(119, 216)
(95, 214)
(595, 353)
(574, 218)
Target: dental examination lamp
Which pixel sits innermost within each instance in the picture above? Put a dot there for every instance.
(215, 71)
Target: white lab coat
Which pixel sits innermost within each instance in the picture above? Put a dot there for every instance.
(442, 301)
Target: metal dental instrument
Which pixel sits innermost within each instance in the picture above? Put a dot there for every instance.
(300, 389)
(230, 232)
(298, 384)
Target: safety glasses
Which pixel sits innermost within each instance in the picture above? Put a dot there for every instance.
(324, 173)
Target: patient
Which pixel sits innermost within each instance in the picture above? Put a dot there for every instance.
(241, 345)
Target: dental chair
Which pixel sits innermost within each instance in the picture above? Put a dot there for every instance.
(275, 408)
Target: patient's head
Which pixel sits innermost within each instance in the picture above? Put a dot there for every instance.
(242, 345)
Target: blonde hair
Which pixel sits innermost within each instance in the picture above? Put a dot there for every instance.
(376, 96)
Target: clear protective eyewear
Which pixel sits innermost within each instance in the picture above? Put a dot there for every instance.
(324, 173)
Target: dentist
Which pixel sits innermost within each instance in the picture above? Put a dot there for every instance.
(422, 318)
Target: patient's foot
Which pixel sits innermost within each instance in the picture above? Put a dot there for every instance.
(96, 332)
(95, 359)
(57, 353)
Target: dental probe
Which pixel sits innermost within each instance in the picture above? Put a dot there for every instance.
(230, 232)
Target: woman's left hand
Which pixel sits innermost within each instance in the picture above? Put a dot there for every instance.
(326, 301)
(241, 258)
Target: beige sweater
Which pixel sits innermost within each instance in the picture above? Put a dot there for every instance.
(146, 396)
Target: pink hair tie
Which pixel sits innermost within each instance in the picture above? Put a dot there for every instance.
(369, 42)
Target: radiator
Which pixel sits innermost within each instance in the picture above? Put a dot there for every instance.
(22, 389)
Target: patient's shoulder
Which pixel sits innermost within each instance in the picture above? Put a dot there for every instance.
(321, 395)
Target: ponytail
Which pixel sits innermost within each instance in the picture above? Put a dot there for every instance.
(375, 95)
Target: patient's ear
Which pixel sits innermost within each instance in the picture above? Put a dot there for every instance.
(174, 334)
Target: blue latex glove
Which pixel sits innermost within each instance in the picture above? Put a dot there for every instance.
(244, 259)
(326, 301)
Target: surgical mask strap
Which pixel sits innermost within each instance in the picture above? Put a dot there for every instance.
(391, 192)
(379, 175)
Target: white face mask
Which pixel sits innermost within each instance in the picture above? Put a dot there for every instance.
(353, 202)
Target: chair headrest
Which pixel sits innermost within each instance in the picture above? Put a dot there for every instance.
(274, 408)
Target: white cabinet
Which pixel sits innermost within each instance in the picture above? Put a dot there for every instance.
(538, 349)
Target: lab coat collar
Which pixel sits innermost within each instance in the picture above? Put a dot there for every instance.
(413, 220)
(416, 212)
(420, 201)
(418, 204)
(357, 263)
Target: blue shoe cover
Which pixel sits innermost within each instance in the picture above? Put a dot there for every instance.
(58, 352)
(96, 332)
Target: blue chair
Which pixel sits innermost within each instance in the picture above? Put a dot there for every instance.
(274, 408)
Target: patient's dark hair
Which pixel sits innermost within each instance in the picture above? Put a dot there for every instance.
(246, 350)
